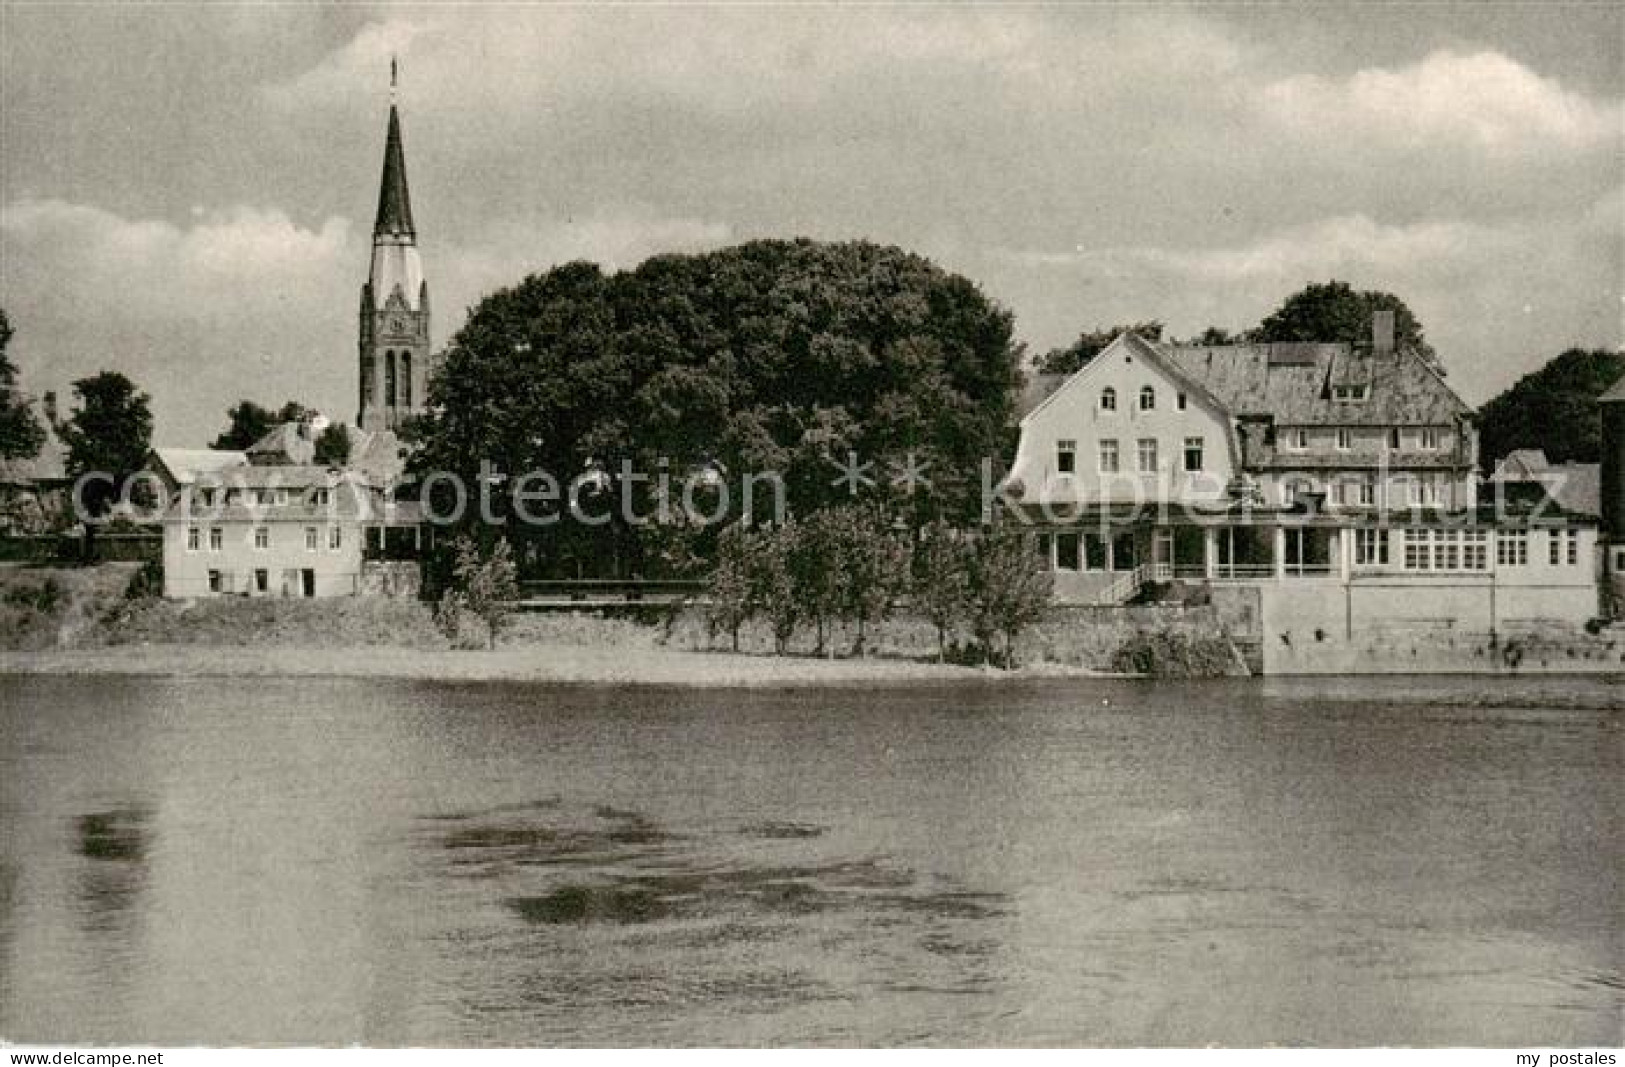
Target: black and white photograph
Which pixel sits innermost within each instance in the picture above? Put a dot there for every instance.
(812, 526)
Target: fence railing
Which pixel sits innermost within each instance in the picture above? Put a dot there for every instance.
(627, 590)
(1123, 589)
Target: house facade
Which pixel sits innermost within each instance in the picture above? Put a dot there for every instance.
(288, 531)
(1338, 480)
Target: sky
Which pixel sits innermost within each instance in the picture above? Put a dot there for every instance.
(186, 192)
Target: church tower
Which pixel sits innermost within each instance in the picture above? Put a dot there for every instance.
(395, 300)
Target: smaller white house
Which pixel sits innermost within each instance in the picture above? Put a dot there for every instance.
(285, 531)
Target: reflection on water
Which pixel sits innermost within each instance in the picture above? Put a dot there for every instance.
(1394, 861)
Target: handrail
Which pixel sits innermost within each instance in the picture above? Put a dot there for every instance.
(1123, 589)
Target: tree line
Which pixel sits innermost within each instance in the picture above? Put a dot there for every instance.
(848, 564)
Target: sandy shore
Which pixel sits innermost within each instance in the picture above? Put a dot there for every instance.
(528, 663)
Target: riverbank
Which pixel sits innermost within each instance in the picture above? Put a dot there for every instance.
(539, 662)
(102, 620)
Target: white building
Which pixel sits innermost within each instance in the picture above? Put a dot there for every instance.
(1342, 476)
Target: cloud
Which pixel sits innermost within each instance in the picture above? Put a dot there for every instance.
(246, 302)
(1484, 291)
(1204, 169)
(239, 262)
(1484, 101)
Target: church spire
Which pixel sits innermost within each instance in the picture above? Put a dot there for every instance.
(394, 335)
(394, 205)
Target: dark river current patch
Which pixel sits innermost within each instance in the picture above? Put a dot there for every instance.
(328, 861)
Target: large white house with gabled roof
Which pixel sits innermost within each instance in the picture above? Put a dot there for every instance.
(1345, 473)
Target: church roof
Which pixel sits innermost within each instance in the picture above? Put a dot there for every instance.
(377, 455)
(1615, 394)
(394, 205)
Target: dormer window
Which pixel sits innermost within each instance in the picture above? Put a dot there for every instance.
(1348, 394)
(1430, 438)
(1297, 439)
(1148, 399)
(1108, 399)
(1345, 438)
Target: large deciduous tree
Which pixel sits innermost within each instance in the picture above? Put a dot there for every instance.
(1075, 356)
(248, 422)
(1336, 312)
(108, 436)
(1553, 409)
(20, 432)
(773, 356)
(332, 448)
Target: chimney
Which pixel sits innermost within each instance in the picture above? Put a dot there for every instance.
(49, 404)
(1382, 331)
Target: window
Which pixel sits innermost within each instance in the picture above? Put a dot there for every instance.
(1427, 493)
(1572, 552)
(1371, 547)
(1554, 547)
(1393, 438)
(1179, 401)
(1418, 557)
(1066, 552)
(1066, 457)
(194, 538)
(215, 585)
(310, 539)
(319, 498)
(1474, 550)
(1108, 399)
(1349, 393)
(1148, 454)
(335, 538)
(217, 539)
(1193, 453)
(262, 580)
(1148, 399)
(1044, 546)
(1340, 493)
(262, 538)
(1430, 438)
(1368, 493)
(1345, 439)
(1109, 463)
(208, 497)
(1512, 548)
(1446, 550)
(1297, 439)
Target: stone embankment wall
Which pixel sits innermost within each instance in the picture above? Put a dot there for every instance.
(1420, 631)
(1163, 639)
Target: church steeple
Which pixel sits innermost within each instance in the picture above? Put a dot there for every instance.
(394, 204)
(394, 364)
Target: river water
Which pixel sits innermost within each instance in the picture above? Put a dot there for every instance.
(335, 861)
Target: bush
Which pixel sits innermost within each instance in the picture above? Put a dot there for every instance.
(1161, 655)
(146, 583)
(44, 598)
